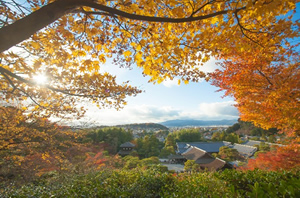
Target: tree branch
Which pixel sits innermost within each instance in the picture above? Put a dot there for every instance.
(200, 8)
(262, 74)
(31, 83)
(242, 28)
(127, 15)
(22, 29)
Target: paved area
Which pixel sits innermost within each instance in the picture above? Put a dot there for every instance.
(175, 167)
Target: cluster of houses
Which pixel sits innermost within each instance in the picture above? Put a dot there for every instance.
(204, 159)
(202, 152)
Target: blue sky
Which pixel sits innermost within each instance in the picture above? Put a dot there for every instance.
(165, 101)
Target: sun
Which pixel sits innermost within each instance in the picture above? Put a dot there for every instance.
(40, 79)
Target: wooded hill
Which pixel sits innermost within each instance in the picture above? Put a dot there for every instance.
(184, 123)
(144, 126)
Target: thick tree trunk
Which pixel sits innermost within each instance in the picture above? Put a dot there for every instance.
(22, 29)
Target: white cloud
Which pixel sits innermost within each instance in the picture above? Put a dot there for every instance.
(170, 83)
(217, 109)
(130, 114)
(209, 66)
(114, 70)
(151, 113)
(212, 111)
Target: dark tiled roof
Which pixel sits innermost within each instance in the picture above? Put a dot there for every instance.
(217, 164)
(200, 156)
(252, 142)
(274, 144)
(210, 147)
(205, 159)
(175, 157)
(194, 153)
(245, 149)
(122, 152)
(181, 147)
(127, 144)
(181, 144)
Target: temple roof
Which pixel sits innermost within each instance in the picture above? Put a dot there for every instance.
(172, 156)
(204, 159)
(194, 153)
(254, 142)
(127, 144)
(244, 149)
(210, 147)
(122, 152)
(217, 164)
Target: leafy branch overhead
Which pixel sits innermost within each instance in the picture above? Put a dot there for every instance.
(69, 40)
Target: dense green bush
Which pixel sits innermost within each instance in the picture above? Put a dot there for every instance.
(260, 183)
(156, 183)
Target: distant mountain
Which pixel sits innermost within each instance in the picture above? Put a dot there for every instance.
(184, 123)
(144, 126)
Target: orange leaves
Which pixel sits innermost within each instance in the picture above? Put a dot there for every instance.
(214, 20)
(248, 34)
(35, 45)
(138, 58)
(265, 87)
(285, 157)
(98, 160)
(31, 146)
(79, 53)
(127, 53)
(102, 58)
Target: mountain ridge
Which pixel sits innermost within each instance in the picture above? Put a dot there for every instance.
(189, 122)
(148, 125)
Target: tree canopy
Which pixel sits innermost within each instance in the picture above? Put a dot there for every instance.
(69, 40)
(282, 158)
(184, 135)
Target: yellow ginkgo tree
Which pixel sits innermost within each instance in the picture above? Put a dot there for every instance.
(69, 40)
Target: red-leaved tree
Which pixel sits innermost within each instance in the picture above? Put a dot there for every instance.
(283, 158)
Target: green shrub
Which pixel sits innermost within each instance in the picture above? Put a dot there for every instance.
(260, 183)
(156, 182)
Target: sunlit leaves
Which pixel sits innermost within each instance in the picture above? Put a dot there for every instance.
(127, 53)
(71, 50)
(265, 88)
(282, 158)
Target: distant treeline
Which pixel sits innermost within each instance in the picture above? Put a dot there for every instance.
(144, 126)
(247, 128)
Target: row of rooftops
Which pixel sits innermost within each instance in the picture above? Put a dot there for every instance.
(210, 147)
(255, 142)
(204, 159)
(201, 152)
(246, 149)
